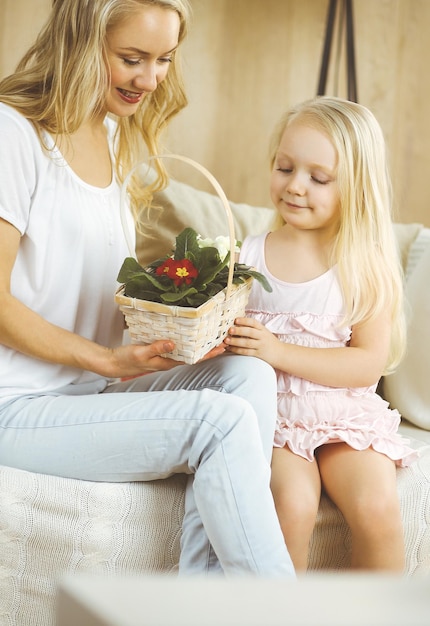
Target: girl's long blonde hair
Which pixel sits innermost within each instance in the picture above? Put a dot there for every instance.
(61, 81)
(364, 249)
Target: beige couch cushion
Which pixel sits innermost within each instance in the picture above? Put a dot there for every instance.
(406, 235)
(408, 388)
(52, 526)
(181, 205)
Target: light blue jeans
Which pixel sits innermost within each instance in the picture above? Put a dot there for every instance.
(214, 421)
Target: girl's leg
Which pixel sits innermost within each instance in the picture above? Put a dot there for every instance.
(363, 485)
(296, 490)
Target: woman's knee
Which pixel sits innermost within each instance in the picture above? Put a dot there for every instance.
(247, 372)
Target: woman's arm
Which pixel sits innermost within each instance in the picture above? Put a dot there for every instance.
(25, 331)
(359, 365)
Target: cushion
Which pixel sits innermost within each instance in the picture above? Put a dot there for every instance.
(408, 389)
(51, 526)
(406, 235)
(181, 205)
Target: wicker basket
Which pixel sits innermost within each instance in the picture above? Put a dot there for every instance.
(195, 331)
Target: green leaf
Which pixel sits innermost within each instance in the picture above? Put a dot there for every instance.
(129, 269)
(211, 267)
(175, 298)
(142, 294)
(148, 282)
(245, 271)
(197, 299)
(145, 284)
(186, 243)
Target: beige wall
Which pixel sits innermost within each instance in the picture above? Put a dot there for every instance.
(20, 21)
(247, 60)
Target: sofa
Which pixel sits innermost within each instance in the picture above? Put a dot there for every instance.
(52, 526)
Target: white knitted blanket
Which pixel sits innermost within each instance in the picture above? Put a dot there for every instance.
(50, 526)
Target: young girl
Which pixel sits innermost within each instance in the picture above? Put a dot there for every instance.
(331, 327)
(87, 101)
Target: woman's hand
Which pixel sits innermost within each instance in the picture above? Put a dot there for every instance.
(148, 357)
(133, 359)
(250, 338)
(213, 353)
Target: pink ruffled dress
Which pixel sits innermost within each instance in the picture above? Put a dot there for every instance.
(310, 415)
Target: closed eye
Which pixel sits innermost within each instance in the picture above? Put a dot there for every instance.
(132, 61)
(319, 181)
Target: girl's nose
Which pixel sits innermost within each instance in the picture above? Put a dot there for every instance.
(295, 184)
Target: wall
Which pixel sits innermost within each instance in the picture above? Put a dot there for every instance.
(20, 21)
(245, 61)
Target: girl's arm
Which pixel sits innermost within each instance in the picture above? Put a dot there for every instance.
(24, 331)
(359, 365)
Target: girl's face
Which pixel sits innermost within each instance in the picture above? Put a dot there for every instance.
(303, 182)
(140, 50)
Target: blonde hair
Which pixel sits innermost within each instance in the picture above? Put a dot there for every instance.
(364, 248)
(61, 81)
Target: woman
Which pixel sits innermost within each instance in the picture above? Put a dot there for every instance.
(86, 102)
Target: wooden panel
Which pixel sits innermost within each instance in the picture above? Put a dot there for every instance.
(393, 49)
(20, 22)
(245, 61)
(264, 58)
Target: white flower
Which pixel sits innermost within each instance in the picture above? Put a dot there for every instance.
(221, 243)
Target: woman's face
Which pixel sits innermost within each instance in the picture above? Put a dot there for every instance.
(140, 50)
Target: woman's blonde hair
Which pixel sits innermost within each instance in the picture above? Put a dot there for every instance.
(61, 81)
(364, 249)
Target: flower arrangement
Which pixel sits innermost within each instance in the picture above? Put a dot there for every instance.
(194, 272)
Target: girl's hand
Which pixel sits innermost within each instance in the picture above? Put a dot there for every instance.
(359, 364)
(250, 338)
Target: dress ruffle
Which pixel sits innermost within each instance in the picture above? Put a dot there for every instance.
(319, 418)
(311, 415)
(305, 328)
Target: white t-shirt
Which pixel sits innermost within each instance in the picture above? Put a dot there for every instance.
(71, 250)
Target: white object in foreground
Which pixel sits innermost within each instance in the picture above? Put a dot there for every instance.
(317, 600)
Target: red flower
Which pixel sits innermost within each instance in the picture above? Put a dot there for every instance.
(180, 272)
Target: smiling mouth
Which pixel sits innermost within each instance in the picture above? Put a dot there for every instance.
(130, 96)
(294, 206)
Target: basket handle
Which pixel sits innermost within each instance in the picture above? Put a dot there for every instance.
(217, 188)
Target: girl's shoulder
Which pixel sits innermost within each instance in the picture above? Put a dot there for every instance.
(254, 241)
(252, 248)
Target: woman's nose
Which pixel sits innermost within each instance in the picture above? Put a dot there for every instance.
(146, 79)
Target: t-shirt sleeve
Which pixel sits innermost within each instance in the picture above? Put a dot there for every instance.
(18, 149)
